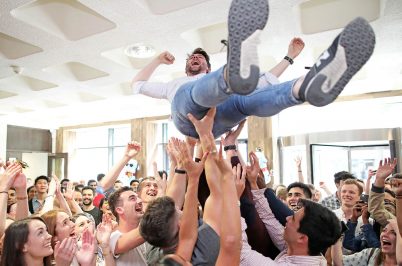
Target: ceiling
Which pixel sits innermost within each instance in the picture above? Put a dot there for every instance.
(62, 62)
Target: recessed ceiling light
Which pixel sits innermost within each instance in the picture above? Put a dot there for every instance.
(139, 50)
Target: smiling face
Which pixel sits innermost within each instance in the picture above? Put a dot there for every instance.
(41, 186)
(294, 194)
(64, 226)
(196, 64)
(149, 190)
(83, 222)
(349, 195)
(291, 234)
(130, 206)
(388, 240)
(39, 241)
(87, 197)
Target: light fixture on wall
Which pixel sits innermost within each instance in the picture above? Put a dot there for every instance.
(139, 50)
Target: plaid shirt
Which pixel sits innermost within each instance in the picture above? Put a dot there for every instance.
(331, 202)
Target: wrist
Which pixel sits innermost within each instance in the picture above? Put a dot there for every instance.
(289, 59)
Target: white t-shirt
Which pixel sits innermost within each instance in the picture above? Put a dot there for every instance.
(162, 90)
(135, 256)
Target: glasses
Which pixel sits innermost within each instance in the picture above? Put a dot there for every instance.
(130, 164)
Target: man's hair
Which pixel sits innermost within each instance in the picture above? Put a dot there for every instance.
(321, 226)
(141, 184)
(118, 181)
(91, 181)
(156, 224)
(88, 188)
(41, 177)
(79, 186)
(134, 181)
(341, 176)
(100, 176)
(354, 182)
(304, 187)
(114, 200)
(203, 53)
(64, 180)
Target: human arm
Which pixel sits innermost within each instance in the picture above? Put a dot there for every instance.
(233, 184)
(64, 251)
(132, 149)
(155, 90)
(6, 180)
(298, 161)
(20, 185)
(189, 220)
(103, 232)
(324, 187)
(296, 45)
(279, 209)
(69, 196)
(59, 195)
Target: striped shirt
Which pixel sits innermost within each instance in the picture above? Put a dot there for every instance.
(275, 230)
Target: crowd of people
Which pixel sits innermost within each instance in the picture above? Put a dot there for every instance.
(213, 208)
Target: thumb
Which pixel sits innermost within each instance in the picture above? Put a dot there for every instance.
(192, 118)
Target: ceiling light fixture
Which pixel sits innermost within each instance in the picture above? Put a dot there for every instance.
(139, 50)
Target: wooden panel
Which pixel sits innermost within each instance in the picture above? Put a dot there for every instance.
(260, 135)
(28, 139)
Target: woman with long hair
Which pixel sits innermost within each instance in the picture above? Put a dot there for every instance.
(26, 242)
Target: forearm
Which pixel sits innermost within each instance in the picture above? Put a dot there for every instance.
(376, 206)
(147, 71)
(189, 222)
(327, 191)
(336, 252)
(22, 204)
(108, 181)
(48, 205)
(75, 206)
(177, 189)
(3, 212)
(63, 205)
(108, 256)
(278, 70)
(230, 233)
(128, 241)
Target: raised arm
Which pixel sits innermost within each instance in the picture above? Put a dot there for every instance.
(298, 161)
(295, 47)
(20, 185)
(189, 220)
(132, 149)
(163, 58)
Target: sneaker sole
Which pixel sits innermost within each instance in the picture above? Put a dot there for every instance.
(245, 17)
(356, 45)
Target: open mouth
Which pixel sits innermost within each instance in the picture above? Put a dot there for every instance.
(151, 193)
(195, 63)
(386, 242)
(138, 207)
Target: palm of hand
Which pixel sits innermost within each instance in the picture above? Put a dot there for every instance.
(20, 181)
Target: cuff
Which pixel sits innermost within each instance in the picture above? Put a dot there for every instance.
(377, 189)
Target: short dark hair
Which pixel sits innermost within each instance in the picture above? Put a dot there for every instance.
(79, 187)
(64, 180)
(91, 181)
(134, 181)
(118, 181)
(100, 176)
(156, 224)
(88, 188)
(321, 226)
(342, 175)
(114, 200)
(28, 189)
(203, 53)
(41, 177)
(304, 187)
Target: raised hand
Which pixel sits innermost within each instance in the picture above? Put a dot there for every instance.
(253, 170)
(295, 47)
(298, 160)
(231, 137)
(204, 126)
(69, 192)
(170, 153)
(86, 254)
(240, 179)
(20, 181)
(386, 168)
(356, 212)
(166, 58)
(104, 230)
(132, 149)
(54, 186)
(8, 177)
(64, 252)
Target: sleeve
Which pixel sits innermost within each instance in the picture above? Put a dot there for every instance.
(376, 206)
(274, 228)
(350, 241)
(371, 236)
(249, 257)
(267, 79)
(279, 209)
(114, 237)
(156, 90)
(359, 258)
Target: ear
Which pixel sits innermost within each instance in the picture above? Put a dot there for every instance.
(302, 240)
(25, 248)
(119, 211)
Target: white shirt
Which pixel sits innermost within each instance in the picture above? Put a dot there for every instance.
(167, 90)
(134, 257)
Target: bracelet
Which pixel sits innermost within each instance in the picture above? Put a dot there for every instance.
(179, 171)
(299, 171)
(398, 196)
(290, 60)
(230, 147)
(22, 198)
(6, 192)
(197, 160)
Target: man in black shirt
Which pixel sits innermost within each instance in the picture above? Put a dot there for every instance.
(88, 206)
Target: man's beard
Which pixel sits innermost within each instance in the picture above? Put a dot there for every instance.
(87, 204)
(192, 72)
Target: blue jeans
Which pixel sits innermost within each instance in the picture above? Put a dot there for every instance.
(197, 97)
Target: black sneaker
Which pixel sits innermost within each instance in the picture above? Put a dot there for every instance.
(246, 19)
(335, 67)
